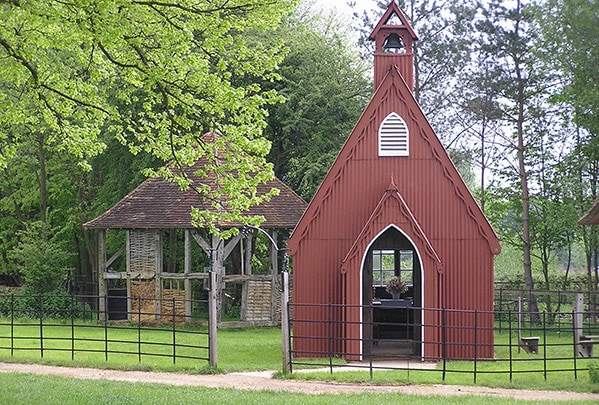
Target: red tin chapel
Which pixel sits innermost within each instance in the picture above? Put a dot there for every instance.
(393, 204)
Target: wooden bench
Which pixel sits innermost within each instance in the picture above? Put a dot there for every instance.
(530, 344)
(586, 344)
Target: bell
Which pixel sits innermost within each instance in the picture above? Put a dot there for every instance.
(394, 44)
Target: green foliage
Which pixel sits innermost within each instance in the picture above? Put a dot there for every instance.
(594, 373)
(154, 76)
(41, 259)
(56, 304)
(325, 87)
(571, 29)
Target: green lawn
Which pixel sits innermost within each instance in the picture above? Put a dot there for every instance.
(528, 370)
(49, 390)
(239, 349)
(260, 349)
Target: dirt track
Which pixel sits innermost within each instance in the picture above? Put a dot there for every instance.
(263, 381)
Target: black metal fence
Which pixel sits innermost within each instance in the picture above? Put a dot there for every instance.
(544, 344)
(138, 328)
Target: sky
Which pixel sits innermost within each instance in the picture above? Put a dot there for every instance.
(341, 5)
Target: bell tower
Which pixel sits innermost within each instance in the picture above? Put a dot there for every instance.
(394, 39)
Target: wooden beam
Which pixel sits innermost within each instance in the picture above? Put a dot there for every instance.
(274, 271)
(158, 279)
(183, 276)
(230, 245)
(115, 256)
(102, 290)
(201, 241)
(187, 282)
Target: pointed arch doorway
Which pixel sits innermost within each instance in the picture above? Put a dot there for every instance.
(391, 325)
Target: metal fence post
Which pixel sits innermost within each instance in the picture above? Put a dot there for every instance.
(544, 345)
(12, 324)
(510, 342)
(105, 312)
(444, 340)
(139, 329)
(475, 343)
(41, 304)
(330, 323)
(575, 345)
(72, 327)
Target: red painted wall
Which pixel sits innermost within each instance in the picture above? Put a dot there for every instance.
(427, 201)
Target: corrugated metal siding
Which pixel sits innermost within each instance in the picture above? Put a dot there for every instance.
(403, 62)
(442, 207)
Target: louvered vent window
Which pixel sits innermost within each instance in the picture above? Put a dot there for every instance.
(394, 137)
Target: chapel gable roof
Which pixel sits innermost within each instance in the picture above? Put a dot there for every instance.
(393, 93)
(391, 205)
(392, 10)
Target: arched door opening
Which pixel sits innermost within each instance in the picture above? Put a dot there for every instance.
(392, 322)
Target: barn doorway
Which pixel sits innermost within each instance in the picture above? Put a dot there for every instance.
(391, 323)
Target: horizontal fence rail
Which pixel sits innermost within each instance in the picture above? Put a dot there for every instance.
(456, 341)
(142, 328)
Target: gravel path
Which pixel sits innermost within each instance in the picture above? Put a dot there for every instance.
(263, 381)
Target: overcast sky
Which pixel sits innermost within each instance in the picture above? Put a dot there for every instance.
(341, 5)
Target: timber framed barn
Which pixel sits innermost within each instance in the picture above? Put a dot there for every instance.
(165, 257)
(393, 204)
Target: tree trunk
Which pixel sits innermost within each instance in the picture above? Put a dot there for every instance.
(42, 179)
(523, 175)
(526, 259)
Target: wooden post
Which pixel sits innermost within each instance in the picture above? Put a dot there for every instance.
(285, 321)
(187, 281)
(578, 327)
(102, 287)
(246, 264)
(274, 271)
(218, 267)
(128, 270)
(158, 278)
(212, 320)
(247, 258)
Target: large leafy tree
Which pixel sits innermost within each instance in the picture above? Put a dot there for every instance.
(154, 75)
(325, 86)
(570, 30)
(507, 37)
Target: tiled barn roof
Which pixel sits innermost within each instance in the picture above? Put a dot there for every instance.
(592, 215)
(160, 204)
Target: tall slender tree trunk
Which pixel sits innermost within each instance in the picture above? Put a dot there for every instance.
(523, 175)
(42, 179)
(483, 166)
(526, 257)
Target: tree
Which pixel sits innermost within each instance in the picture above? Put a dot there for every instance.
(570, 30)
(74, 70)
(325, 87)
(507, 37)
(43, 260)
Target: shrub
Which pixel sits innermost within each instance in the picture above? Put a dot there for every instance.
(57, 304)
(41, 259)
(594, 372)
